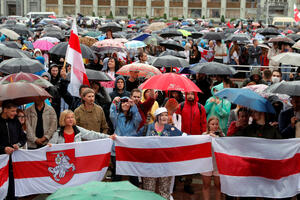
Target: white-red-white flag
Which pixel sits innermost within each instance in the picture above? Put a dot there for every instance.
(3, 175)
(255, 167)
(74, 58)
(63, 165)
(296, 13)
(163, 156)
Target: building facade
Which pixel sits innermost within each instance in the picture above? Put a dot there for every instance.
(155, 8)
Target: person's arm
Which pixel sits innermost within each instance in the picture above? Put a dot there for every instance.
(90, 135)
(77, 117)
(52, 119)
(203, 121)
(223, 108)
(54, 138)
(285, 126)
(147, 105)
(232, 129)
(113, 115)
(30, 134)
(22, 136)
(136, 115)
(209, 103)
(103, 127)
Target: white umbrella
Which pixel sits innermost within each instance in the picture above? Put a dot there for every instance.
(288, 58)
(9, 33)
(296, 45)
(50, 39)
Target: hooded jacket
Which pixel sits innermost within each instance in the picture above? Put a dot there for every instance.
(193, 120)
(153, 108)
(221, 110)
(116, 93)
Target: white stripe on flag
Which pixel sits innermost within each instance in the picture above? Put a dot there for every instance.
(3, 175)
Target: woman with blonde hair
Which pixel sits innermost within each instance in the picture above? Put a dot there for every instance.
(69, 132)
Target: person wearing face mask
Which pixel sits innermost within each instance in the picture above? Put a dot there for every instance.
(276, 76)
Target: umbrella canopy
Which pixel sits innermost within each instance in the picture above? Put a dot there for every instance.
(113, 26)
(288, 58)
(12, 44)
(213, 36)
(88, 41)
(43, 45)
(170, 61)
(27, 78)
(171, 33)
(15, 65)
(154, 40)
(295, 37)
(94, 75)
(11, 52)
(104, 191)
(156, 26)
(170, 81)
(93, 34)
(50, 39)
(141, 37)
(196, 35)
(282, 39)
(20, 29)
(296, 45)
(241, 37)
(56, 34)
(134, 44)
(61, 48)
(144, 70)
(291, 88)
(108, 46)
(9, 33)
(172, 44)
(15, 92)
(52, 29)
(179, 54)
(213, 68)
(247, 98)
(269, 31)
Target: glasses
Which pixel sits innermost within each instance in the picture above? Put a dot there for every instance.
(124, 100)
(21, 116)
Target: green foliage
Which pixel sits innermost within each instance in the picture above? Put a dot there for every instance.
(175, 18)
(147, 17)
(222, 19)
(203, 17)
(232, 19)
(129, 16)
(165, 15)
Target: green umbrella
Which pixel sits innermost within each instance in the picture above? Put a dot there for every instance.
(104, 190)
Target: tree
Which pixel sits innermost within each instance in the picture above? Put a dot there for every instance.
(203, 17)
(165, 16)
(222, 19)
(129, 16)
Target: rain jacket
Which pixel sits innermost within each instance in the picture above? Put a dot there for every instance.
(253, 72)
(193, 120)
(115, 92)
(221, 110)
(168, 130)
(153, 109)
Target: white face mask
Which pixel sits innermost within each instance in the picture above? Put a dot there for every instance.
(275, 79)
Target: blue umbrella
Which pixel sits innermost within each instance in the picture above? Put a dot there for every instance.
(186, 70)
(141, 37)
(132, 22)
(246, 97)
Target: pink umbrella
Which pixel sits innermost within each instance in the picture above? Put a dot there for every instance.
(109, 46)
(43, 45)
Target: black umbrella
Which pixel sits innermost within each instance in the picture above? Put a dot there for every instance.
(178, 54)
(18, 28)
(196, 35)
(61, 48)
(213, 36)
(294, 37)
(241, 37)
(12, 44)
(11, 52)
(213, 68)
(56, 34)
(52, 29)
(113, 26)
(94, 75)
(285, 40)
(269, 31)
(170, 33)
(15, 65)
(170, 61)
(171, 44)
(291, 88)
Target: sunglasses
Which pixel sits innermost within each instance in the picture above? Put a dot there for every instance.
(124, 100)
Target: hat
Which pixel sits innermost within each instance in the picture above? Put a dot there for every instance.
(46, 74)
(160, 110)
(171, 104)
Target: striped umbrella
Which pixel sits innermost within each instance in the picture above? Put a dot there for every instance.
(108, 46)
(134, 44)
(144, 70)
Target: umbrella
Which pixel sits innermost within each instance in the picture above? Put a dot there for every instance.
(134, 44)
(61, 48)
(269, 31)
(94, 75)
(241, 37)
(12, 44)
(11, 52)
(288, 58)
(113, 26)
(172, 44)
(170, 61)
(213, 36)
(20, 29)
(88, 41)
(56, 34)
(296, 45)
(122, 190)
(50, 39)
(295, 37)
(170, 81)
(93, 34)
(171, 33)
(43, 45)
(156, 26)
(141, 37)
(179, 54)
(196, 35)
(15, 65)
(9, 33)
(185, 33)
(27, 78)
(52, 29)
(247, 98)
(154, 40)
(282, 39)
(213, 68)
(291, 88)
(144, 70)
(108, 46)
(22, 93)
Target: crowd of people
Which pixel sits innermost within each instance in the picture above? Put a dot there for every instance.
(119, 108)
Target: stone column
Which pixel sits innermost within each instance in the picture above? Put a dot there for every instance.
(95, 7)
(185, 8)
(77, 7)
(243, 9)
(148, 8)
(60, 8)
(167, 8)
(291, 8)
(43, 5)
(2, 8)
(25, 9)
(204, 8)
(130, 8)
(223, 8)
(113, 7)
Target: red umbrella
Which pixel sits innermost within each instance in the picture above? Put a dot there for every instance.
(22, 93)
(170, 81)
(131, 25)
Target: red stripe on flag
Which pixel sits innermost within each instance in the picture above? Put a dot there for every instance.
(85, 80)
(3, 174)
(74, 42)
(246, 166)
(164, 155)
(84, 164)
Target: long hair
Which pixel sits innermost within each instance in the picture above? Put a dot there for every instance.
(23, 125)
(211, 119)
(117, 64)
(128, 115)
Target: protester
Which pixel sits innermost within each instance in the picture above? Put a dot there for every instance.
(132, 82)
(150, 115)
(276, 76)
(120, 88)
(111, 69)
(241, 122)
(254, 53)
(220, 52)
(195, 55)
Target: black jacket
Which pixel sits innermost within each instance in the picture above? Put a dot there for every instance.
(11, 133)
(285, 128)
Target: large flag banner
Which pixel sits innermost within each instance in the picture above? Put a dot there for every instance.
(63, 165)
(74, 58)
(163, 156)
(296, 13)
(3, 175)
(255, 167)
